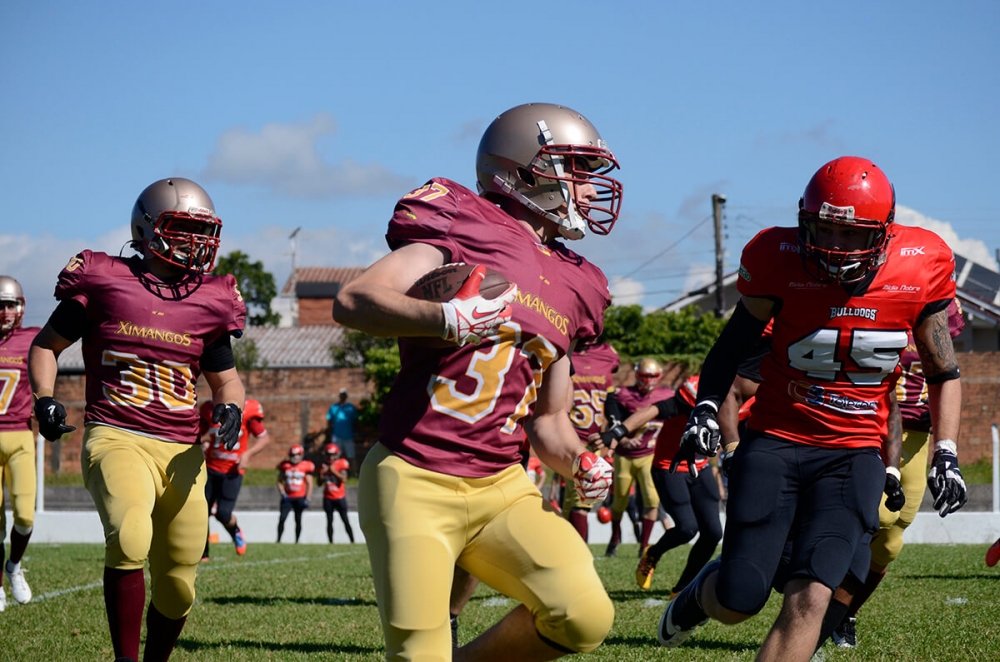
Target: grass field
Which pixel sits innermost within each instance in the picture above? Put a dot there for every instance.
(315, 602)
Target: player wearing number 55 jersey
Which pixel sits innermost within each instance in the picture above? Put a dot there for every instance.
(150, 325)
(444, 485)
(843, 289)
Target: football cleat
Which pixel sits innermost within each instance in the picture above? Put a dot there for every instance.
(669, 634)
(846, 636)
(993, 554)
(18, 585)
(240, 542)
(612, 549)
(3, 599)
(645, 569)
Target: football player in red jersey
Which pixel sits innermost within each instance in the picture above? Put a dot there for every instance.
(690, 496)
(17, 444)
(295, 485)
(594, 366)
(444, 485)
(226, 466)
(150, 324)
(915, 413)
(634, 455)
(333, 476)
(843, 289)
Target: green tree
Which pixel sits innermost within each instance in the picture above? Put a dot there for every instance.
(256, 284)
(682, 337)
(248, 356)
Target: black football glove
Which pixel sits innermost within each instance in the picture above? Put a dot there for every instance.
(702, 436)
(945, 479)
(616, 432)
(726, 459)
(894, 497)
(51, 418)
(230, 420)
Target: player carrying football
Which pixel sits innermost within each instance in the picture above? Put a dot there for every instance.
(17, 444)
(843, 288)
(150, 324)
(444, 485)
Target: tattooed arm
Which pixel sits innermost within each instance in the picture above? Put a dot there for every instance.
(944, 389)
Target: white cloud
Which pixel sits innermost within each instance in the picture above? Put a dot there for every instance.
(972, 249)
(625, 291)
(284, 159)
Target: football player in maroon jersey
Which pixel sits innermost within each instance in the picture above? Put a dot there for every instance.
(226, 466)
(915, 413)
(444, 485)
(634, 455)
(17, 444)
(843, 289)
(150, 324)
(594, 366)
(295, 486)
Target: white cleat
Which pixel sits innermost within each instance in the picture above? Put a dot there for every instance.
(3, 599)
(669, 635)
(18, 585)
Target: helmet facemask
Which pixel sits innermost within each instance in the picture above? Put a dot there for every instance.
(836, 265)
(189, 240)
(648, 374)
(11, 304)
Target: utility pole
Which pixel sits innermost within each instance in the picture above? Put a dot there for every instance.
(718, 201)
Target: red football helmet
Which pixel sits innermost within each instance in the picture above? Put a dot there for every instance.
(296, 450)
(648, 374)
(849, 192)
(332, 449)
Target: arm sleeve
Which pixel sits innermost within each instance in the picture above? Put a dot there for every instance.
(218, 356)
(735, 343)
(69, 319)
(613, 410)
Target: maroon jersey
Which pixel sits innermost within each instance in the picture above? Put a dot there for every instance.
(593, 368)
(293, 477)
(460, 411)
(15, 391)
(144, 340)
(911, 389)
(835, 355)
(333, 487)
(632, 400)
(217, 458)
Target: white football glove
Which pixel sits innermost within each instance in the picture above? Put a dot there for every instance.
(945, 479)
(591, 478)
(702, 436)
(470, 317)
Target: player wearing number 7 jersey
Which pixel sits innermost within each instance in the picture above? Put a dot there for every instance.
(444, 485)
(843, 289)
(150, 325)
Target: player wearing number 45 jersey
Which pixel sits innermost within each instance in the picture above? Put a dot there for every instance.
(150, 325)
(843, 289)
(444, 485)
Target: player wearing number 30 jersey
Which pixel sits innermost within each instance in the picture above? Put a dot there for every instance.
(444, 485)
(151, 324)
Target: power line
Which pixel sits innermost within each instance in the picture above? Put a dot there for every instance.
(671, 246)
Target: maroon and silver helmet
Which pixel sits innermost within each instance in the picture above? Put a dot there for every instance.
(648, 374)
(537, 154)
(12, 312)
(174, 220)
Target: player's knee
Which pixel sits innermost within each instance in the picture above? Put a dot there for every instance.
(584, 623)
(128, 547)
(887, 546)
(24, 525)
(173, 597)
(224, 513)
(742, 588)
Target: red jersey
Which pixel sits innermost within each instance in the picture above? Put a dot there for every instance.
(144, 340)
(669, 441)
(217, 458)
(459, 411)
(593, 367)
(911, 389)
(632, 400)
(835, 355)
(333, 487)
(293, 477)
(16, 402)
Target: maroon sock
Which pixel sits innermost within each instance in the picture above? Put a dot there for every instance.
(124, 600)
(18, 543)
(578, 518)
(647, 529)
(161, 635)
(616, 530)
(861, 597)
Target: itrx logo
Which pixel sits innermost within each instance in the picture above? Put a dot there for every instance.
(910, 251)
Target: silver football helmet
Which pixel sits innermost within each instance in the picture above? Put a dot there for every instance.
(174, 220)
(12, 312)
(538, 154)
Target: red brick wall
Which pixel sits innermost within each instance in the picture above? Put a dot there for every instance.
(295, 404)
(316, 312)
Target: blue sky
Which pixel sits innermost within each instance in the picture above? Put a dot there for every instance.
(320, 115)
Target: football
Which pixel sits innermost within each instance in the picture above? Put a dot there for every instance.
(443, 283)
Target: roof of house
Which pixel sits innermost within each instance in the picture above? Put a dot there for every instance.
(288, 347)
(319, 282)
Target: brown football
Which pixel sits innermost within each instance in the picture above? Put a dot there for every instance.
(443, 283)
